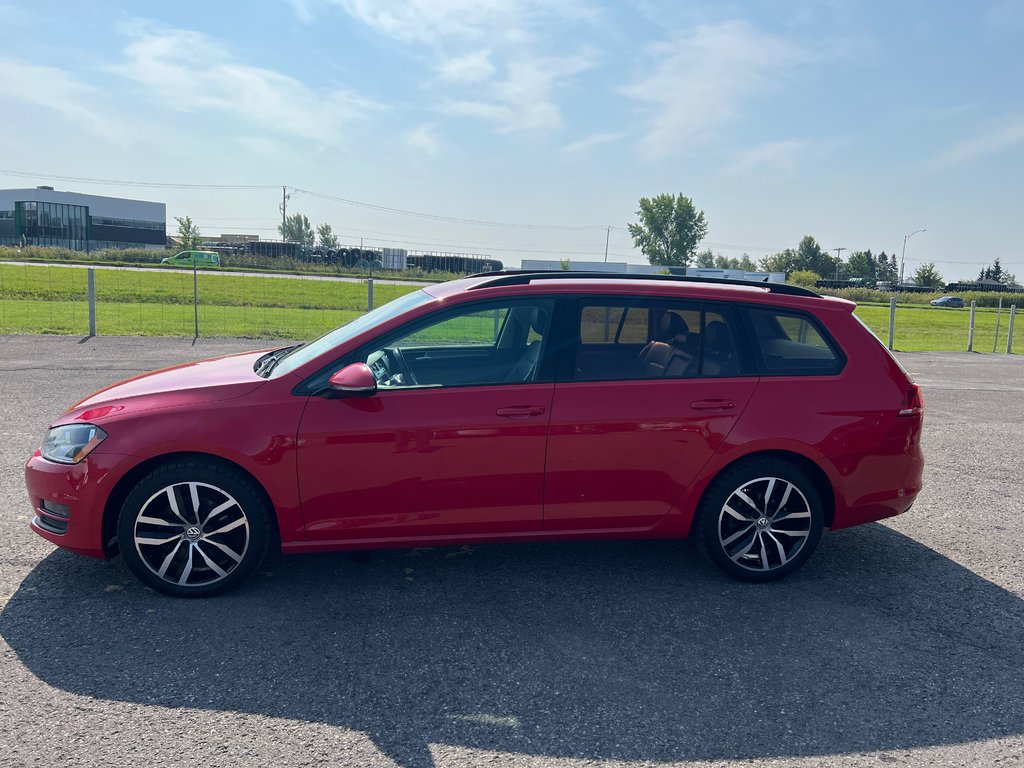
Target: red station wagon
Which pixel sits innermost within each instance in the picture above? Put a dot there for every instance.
(513, 406)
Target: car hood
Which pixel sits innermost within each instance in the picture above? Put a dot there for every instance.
(221, 378)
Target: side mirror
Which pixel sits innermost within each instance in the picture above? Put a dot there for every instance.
(355, 380)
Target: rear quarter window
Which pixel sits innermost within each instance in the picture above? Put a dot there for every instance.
(792, 343)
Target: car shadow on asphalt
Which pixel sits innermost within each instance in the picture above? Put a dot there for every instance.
(620, 650)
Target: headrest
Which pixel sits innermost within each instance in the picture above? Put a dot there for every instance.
(716, 332)
(671, 327)
(539, 320)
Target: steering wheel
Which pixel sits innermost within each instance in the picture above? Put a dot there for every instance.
(397, 364)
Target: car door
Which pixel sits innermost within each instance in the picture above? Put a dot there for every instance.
(452, 444)
(626, 440)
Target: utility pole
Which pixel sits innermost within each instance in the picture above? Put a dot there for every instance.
(607, 235)
(838, 252)
(284, 211)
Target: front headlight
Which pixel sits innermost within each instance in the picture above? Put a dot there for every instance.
(70, 443)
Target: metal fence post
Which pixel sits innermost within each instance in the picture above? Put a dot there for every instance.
(970, 332)
(91, 282)
(195, 294)
(892, 320)
(1009, 330)
(369, 294)
(999, 317)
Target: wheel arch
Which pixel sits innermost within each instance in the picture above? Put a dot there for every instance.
(807, 465)
(123, 487)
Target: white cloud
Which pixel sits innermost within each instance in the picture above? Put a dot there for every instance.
(472, 68)
(440, 21)
(702, 79)
(523, 102)
(492, 57)
(302, 10)
(424, 139)
(589, 142)
(1007, 135)
(165, 62)
(775, 156)
(60, 92)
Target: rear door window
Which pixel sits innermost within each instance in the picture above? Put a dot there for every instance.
(789, 342)
(624, 339)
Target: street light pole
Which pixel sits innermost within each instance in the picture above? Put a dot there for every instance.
(838, 254)
(903, 255)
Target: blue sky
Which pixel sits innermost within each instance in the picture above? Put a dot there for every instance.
(855, 122)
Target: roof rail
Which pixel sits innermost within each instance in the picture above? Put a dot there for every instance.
(526, 276)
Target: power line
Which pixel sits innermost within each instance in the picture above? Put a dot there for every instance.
(452, 219)
(321, 195)
(113, 182)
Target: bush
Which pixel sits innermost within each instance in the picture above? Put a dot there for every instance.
(871, 296)
(805, 278)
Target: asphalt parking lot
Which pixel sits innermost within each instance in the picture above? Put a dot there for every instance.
(898, 643)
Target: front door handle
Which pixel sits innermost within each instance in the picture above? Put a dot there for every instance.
(520, 411)
(713, 405)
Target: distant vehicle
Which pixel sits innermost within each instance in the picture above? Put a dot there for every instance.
(947, 301)
(185, 259)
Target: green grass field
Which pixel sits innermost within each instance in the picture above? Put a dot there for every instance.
(925, 328)
(53, 300)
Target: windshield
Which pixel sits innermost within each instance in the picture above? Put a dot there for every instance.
(303, 354)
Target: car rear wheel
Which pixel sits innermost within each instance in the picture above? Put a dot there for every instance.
(194, 528)
(760, 520)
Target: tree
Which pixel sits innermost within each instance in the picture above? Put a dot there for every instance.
(805, 277)
(783, 261)
(997, 273)
(705, 259)
(886, 270)
(862, 265)
(296, 228)
(669, 231)
(746, 263)
(928, 276)
(326, 237)
(811, 257)
(188, 234)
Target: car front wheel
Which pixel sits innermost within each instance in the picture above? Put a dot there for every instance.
(760, 520)
(194, 528)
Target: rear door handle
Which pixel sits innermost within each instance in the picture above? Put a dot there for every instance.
(712, 405)
(520, 411)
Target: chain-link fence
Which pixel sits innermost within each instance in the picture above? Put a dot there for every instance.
(52, 299)
(159, 302)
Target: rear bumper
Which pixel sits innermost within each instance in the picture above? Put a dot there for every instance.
(902, 479)
(68, 500)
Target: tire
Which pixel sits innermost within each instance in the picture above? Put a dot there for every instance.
(194, 528)
(760, 520)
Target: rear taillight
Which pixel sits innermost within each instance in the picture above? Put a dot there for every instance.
(913, 403)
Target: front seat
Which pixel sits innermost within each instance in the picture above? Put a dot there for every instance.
(526, 367)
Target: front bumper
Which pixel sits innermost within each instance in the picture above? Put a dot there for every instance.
(69, 500)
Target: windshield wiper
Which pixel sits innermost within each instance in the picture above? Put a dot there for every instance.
(266, 364)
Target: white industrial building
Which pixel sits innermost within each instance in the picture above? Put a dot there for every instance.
(48, 217)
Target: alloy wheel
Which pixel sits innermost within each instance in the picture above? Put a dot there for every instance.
(191, 534)
(764, 524)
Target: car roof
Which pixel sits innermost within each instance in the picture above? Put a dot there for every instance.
(675, 286)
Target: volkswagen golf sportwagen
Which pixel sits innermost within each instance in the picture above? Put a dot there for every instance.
(514, 406)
